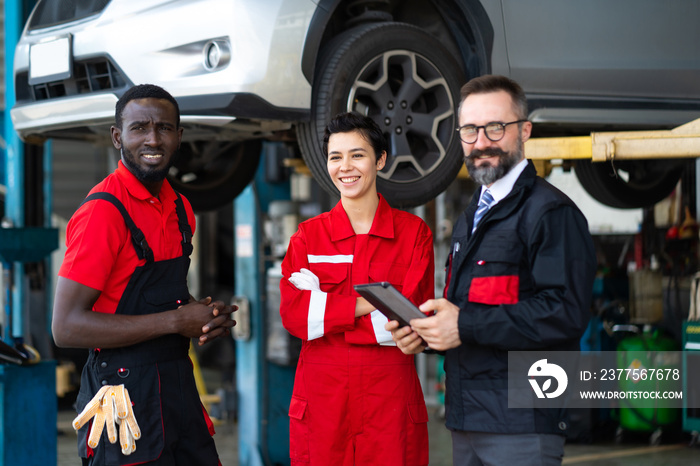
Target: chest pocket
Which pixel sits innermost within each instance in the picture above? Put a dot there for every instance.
(167, 297)
(331, 275)
(495, 273)
(388, 272)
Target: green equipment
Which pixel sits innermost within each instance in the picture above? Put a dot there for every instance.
(691, 353)
(648, 350)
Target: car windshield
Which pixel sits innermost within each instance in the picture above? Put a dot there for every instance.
(51, 13)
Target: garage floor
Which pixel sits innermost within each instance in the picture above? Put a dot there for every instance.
(632, 453)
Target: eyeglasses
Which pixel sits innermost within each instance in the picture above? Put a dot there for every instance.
(494, 131)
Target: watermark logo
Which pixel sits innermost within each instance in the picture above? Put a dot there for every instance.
(544, 370)
(601, 379)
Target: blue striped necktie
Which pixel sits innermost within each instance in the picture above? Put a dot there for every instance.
(483, 207)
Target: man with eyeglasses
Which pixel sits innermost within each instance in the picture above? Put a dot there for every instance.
(519, 278)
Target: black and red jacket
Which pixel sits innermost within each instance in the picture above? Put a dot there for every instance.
(522, 281)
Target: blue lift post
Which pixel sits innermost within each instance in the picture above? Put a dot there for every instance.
(264, 389)
(28, 409)
(249, 353)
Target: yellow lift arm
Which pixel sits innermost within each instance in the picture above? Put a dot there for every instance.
(680, 142)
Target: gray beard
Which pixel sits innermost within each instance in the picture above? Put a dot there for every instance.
(488, 174)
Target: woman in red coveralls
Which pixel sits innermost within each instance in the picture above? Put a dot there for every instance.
(357, 399)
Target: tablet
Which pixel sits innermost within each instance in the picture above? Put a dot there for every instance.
(390, 302)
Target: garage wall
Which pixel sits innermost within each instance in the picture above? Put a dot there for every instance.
(77, 167)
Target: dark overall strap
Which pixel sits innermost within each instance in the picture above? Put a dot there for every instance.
(143, 250)
(184, 224)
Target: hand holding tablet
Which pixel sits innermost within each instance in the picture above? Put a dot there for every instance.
(390, 302)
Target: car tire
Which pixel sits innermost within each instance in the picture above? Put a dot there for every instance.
(210, 174)
(630, 184)
(404, 79)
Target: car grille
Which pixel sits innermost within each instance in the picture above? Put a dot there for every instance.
(89, 76)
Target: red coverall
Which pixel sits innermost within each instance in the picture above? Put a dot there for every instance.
(357, 399)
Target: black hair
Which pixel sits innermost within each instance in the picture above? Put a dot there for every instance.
(353, 121)
(143, 91)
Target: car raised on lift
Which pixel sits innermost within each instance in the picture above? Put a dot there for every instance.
(246, 71)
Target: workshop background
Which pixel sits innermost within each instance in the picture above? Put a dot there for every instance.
(615, 102)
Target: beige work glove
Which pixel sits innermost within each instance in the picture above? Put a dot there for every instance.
(109, 406)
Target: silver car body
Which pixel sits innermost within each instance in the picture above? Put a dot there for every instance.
(287, 66)
(162, 42)
(622, 51)
(635, 62)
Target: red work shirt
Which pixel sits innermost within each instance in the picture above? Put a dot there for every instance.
(398, 249)
(99, 251)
